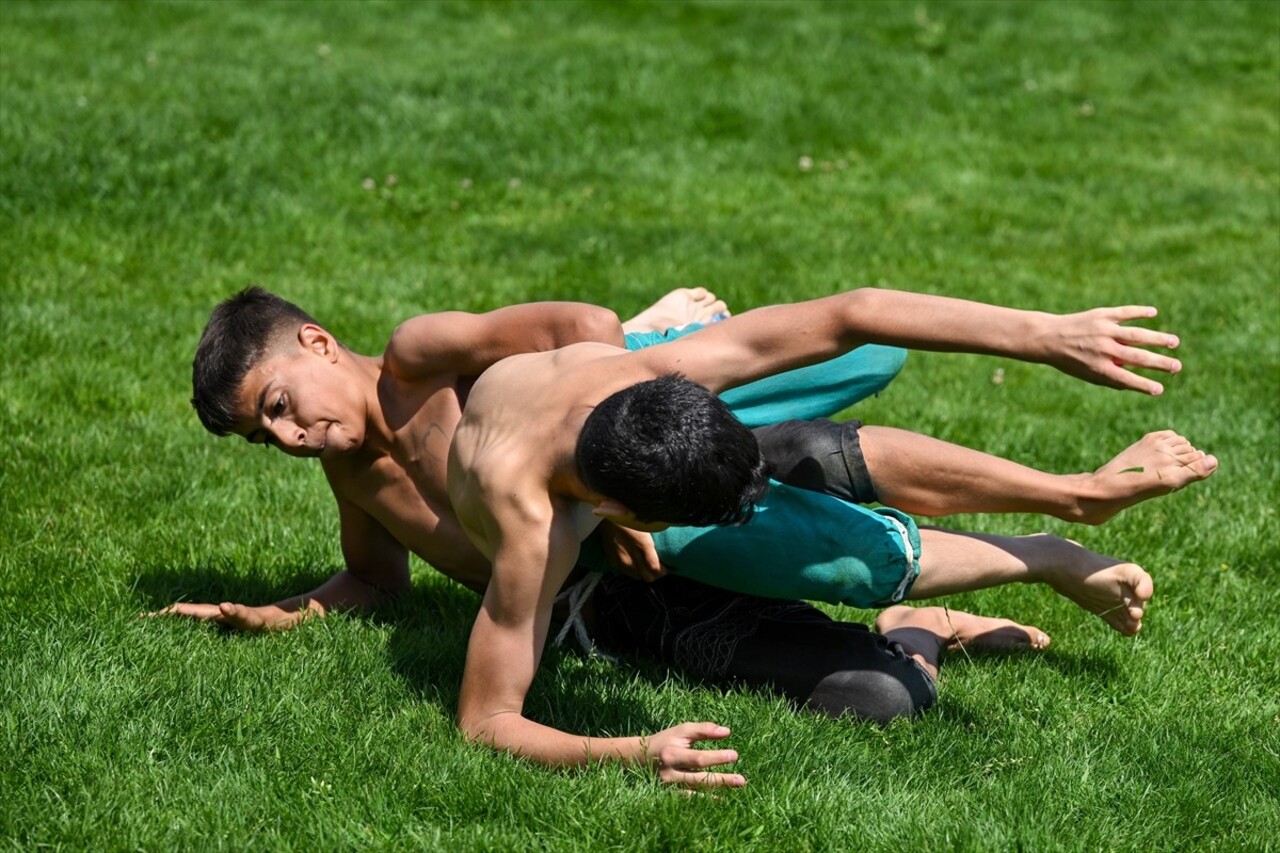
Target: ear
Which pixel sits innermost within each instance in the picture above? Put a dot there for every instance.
(317, 340)
(611, 509)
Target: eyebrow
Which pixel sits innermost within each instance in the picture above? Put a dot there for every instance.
(262, 399)
(262, 403)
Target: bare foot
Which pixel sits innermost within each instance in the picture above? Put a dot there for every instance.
(956, 628)
(680, 307)
(1116, 591)
(1160, 463)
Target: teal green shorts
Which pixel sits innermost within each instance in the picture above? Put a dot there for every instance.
(800, 545)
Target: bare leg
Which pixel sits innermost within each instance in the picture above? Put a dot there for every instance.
(924, 476)
(925, 632)
(1116, 591)
(680, 307)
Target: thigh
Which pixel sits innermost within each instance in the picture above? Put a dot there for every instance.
(720, 637)
(803, 545)
(818, 455)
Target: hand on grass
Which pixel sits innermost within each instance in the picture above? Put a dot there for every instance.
(238, 616)
(631, 552)
(679, 762)
(1096, 347)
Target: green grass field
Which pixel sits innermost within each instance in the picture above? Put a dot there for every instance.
(155, 157)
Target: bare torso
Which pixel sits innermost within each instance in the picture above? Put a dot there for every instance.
(403, 487)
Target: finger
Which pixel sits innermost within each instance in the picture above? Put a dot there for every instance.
(1133, 357)
(703, 780)
(650, 564)
(702, 731)
(1113, 375)
(1139, 336)
(189, 609)
(239, 616)
(1124, 313)
(698, 759)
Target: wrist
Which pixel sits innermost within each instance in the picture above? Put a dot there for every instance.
(1038, 337)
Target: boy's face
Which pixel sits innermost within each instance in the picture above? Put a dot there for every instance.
(301, 401)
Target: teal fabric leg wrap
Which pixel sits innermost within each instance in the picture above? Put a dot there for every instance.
(800, 544)
(817, 391)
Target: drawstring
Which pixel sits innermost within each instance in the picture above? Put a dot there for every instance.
(577, 596)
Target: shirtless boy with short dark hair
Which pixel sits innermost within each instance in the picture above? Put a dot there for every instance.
(518, 491)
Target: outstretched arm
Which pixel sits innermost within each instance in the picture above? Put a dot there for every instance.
(377, 571)
(1092, 345)
(503, 654)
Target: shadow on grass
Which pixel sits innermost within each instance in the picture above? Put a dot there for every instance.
(427, 648)
(159, 586)
(430, 625)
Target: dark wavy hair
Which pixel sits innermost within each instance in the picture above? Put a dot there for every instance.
(239, 333)
(671, 451)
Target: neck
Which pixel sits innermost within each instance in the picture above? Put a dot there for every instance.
(565, 479)
(367, 370)
(567, 482)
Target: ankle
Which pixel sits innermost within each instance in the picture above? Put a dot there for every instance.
(1043, 558)
(1082, 493)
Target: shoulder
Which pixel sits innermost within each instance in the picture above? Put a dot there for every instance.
(426, 343)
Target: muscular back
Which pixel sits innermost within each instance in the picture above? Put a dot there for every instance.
(518, 433)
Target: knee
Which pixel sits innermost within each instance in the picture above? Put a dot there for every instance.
(874, 695)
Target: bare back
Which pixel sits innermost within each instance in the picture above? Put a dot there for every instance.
(520, 425)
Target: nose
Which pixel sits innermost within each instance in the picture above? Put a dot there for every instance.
(288, 437)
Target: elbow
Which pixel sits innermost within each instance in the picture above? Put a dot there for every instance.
(393, 589)
(861, 300)
(475, 727)
(857, 310)
(469, 728)
(599, 324)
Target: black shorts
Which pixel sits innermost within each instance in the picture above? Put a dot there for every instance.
(819, 455)
(727, 638)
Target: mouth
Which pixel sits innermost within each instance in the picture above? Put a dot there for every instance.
(324, 440)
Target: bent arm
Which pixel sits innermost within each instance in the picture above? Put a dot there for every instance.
(377, 570)
(506, 645)
(1092, 345)
(467, 344)
(502, 658)
(532, 557)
